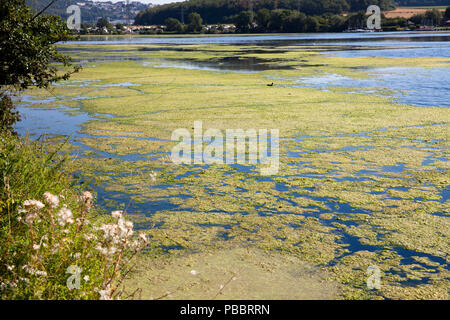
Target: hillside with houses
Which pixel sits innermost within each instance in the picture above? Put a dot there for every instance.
(92, 11)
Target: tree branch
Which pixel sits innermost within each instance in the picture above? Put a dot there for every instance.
(43, 10)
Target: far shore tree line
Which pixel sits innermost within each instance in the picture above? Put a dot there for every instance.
(292, 21)
(280, 21)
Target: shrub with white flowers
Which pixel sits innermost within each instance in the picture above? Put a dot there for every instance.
(59, 250)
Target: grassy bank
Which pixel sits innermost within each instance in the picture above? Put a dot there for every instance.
(54, 243)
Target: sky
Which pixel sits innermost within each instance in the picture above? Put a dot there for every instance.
(147, 1)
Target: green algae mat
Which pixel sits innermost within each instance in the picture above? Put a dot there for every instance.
(362, 189)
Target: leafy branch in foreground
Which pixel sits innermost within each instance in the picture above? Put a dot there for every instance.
(28, 55)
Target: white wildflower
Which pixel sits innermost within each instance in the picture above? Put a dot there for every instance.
(103, 251)
(41, 273)
(135, 244)
(29, 218)
(65, 216)
(105, 294)
(112, 250)
(117, 214)
(52, 200)
(143, 237)
(87, 197)
(129, 225)
(33, 271)
(36, 247)
(89, 237)
(33, 204)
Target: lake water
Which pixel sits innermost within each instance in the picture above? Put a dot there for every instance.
(421, 87)
(372, 39)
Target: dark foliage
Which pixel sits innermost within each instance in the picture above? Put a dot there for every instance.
(224, 11)
(28, 56)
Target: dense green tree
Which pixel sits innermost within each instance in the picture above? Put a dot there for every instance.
(394, 24)
(173, 25)
(223, 11)
(335, 6)
(103, 23)
(422, 2)
(295, 22)
(434, 16)
(357, 5)
(336, 23)
(418, 18)
(27, 51)
(262, 19)
(357, 20)
(28, 56)
(312, 24)
(277, 19)
(195, 22)
(244, 21)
